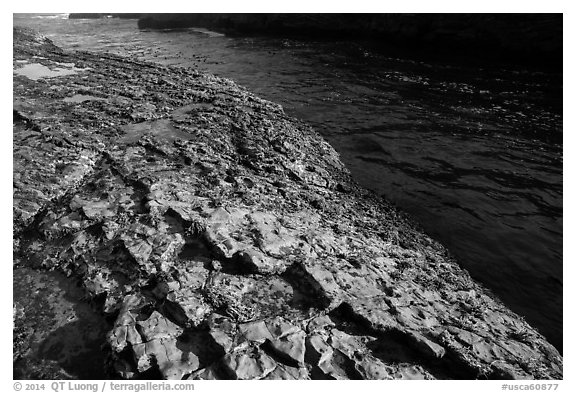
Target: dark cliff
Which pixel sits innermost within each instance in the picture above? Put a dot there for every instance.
(525, 38)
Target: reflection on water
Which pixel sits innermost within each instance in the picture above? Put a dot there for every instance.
(473, 153)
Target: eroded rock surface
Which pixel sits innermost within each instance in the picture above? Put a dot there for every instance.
(223, 239)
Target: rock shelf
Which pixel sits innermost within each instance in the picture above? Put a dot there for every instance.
(218, 238)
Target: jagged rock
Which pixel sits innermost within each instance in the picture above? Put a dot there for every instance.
(165, 354)
(222, 330)
(290, 373)
(374, 369)
(291, 347)
(257, 261)
(218, 234)
(185, 304)
(374, 312)
(207, 373)
(506, 371)
(319, 323)
(255, 331)
(188, 310)
(338, 366)
(345, 343)
(279, 327)
(412, 372)
(319, 283)
(152, 341)
(427, 346)
(156, 327)
(124, 332)
(317, 349)
(248, 365)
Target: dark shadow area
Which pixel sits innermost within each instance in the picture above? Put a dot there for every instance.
(77, 348)
(60, 335)
(202, 345)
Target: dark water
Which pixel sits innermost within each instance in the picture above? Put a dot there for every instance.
(472, 153)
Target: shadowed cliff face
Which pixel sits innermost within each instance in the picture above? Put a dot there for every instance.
(522, 38)
(225, 240)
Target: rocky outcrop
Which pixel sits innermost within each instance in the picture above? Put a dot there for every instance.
(220, 238)
(525, 38)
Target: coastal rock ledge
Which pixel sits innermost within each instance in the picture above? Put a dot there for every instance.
(217, 238)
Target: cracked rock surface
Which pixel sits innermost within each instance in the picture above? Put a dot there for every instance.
(215, 237)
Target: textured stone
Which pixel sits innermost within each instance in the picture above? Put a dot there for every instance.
(255, 331)
(427, 346)
(317, 349)
(288, 373)
(291, 347)
(255, 365)
(165, 354)
(156, 327)
(207, 373)
(319, 323)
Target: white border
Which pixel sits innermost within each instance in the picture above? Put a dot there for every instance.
(370, 6)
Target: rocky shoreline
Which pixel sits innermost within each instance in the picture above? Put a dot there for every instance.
(192, 230)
